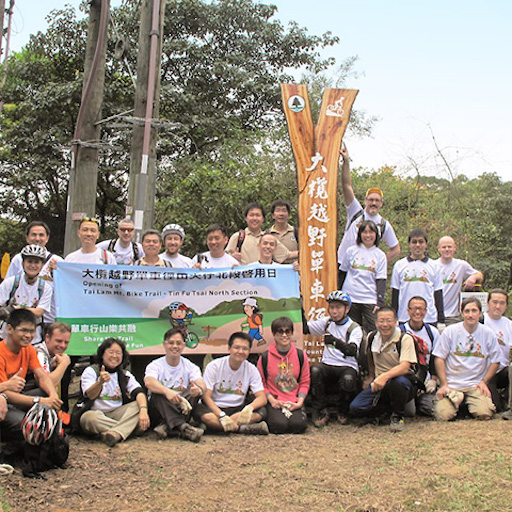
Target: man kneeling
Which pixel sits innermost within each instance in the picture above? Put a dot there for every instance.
(228, 380)
(467, 356)
(175, 384)
(391, 355)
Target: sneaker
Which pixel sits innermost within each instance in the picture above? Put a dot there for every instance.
(255, 429)
(342, 419)
(192, 433)
(507, 415)
(320, 418)
(396, 423)
(161, 431)
(111, 438)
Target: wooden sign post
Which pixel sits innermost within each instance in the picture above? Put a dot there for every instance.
(317, 154)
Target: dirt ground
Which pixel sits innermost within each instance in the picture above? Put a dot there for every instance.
(466, 465)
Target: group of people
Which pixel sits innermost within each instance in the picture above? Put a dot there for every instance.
(426, 353)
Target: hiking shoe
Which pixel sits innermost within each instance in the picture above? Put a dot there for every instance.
(111, 438)
(255, 429)
(342, 419)
(396, 423)
(320, 418)
(192, 433)
(161, 431)
(507, 415)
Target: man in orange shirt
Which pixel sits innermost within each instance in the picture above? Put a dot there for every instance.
(17, 356)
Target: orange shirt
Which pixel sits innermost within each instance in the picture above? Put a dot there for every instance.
(10, 363)
(255, 321)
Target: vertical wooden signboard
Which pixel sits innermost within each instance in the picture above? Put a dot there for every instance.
(317, 152)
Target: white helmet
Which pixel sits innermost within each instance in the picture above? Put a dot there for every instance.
(173, 228)
(38, 424)
(33, 251)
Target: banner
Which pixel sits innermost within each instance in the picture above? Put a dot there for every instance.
(139, 304)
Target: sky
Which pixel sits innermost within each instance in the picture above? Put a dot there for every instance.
(435, 73)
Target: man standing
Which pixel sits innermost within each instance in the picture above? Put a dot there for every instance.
(243, 245)
(173, 236)
(175, 385)
(285, 233)
(501, 326)
(88, 233)
(339, 366)
(17, 356)
(453, 273)
(152, 245)
(388, 386)
(216, 256)
(417, 275)
(356, 214)
(467, 358)
(228, 380)
(124, 249)
(27, 290)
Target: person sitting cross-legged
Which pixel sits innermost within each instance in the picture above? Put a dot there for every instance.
(175, 385)
(225, 405)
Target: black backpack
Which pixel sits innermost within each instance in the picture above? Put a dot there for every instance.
(49, 455)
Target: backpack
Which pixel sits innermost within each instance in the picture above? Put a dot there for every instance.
(419, 369)
(51, 454)
(16, 285)
(264, 363)
(381, 225)
(135, 249)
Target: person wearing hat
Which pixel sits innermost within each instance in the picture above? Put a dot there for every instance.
(254, 319)
(173, 236)
(339, 366)
(357, 214)
(27, 290)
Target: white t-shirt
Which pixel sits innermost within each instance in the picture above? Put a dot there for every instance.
(96, 257)
(453, 275)
(229, 387)
(351, 229)
(27, 295)
(423, 334)
(177, 378)
(16, 267)
(416, 278)
(123, 255)
(363, 267)
(110, 397)
(179, 261)
(467, 357)
(332, 355)
(207, 261)
(502, 328)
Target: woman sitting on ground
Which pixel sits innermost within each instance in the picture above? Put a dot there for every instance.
(119, 403)
(285, 373)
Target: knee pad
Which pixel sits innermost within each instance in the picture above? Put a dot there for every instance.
(349, 383)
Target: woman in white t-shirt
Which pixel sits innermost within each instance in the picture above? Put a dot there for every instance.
(363, 274)
(119, 404)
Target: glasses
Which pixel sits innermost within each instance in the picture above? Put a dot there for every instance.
(286, 332)
(22, 330)
(89, 219)
(113, 352)
(126, 230)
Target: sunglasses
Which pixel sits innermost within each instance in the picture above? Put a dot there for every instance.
(284, 331)
(89, 219)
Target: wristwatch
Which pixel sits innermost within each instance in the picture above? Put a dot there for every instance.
(36, 399)
(222, 414)
(5, 397)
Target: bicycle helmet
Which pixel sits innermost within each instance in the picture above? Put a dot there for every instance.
(33, 251)
(38, 424)
(173, 228)
(177, 306)
(339, 296)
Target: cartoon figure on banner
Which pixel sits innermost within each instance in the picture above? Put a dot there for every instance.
(181, 318)
(254, 321)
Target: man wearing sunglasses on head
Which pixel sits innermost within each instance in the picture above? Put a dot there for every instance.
(88, 233)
